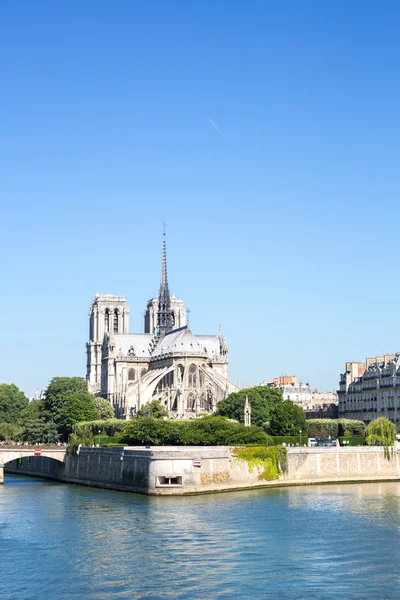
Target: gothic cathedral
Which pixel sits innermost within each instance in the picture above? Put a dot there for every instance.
(187, 373)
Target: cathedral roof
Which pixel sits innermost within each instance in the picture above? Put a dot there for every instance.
(140, 342)
(179, 341)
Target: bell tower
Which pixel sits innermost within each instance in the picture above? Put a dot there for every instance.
(107, 315)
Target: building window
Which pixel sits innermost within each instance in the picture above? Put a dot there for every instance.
(116, 320)
(107, 320)
(191, 402)
(143, 372)
(192, 376)
(131, 375)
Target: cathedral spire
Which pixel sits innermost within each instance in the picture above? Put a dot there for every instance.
(164, 316)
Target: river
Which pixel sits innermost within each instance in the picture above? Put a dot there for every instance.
(60, 541)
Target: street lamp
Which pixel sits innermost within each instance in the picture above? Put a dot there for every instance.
(99, 437)
(300, 436)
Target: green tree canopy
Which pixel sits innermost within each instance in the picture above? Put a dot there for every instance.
(104, 408)
(381, 431)
(288, 418)
(12, 403)
(77, 407)
(152, 409)
(10, 432)
(40, 432)
(262, 399)
(59, 390)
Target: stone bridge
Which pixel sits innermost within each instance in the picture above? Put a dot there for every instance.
(9, 453)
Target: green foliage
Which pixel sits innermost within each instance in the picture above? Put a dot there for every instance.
(104, 408)
(10, 432)
(108, 426)
(12, 403)
(205, 431)
(323, 428)
(83, 437)
(288, 418)
(77, 407)
(381, 432)
(353, 440)
(59, 390)
(262, 399)
(268, 460)
(33, 412)
(352, 426)
(38, 431)
(275, 440)
(153, 409)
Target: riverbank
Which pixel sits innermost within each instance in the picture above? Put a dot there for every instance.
(197, 470)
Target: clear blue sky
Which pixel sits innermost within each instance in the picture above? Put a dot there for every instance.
(283, 227)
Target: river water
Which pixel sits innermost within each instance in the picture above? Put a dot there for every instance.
(60, 541)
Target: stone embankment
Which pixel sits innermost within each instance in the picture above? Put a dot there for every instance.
(188, 470)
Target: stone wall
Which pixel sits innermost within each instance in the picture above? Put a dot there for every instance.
(180, 470)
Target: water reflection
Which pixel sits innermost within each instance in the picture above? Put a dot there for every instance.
(75, 542)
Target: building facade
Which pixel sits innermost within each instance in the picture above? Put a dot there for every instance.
(372, 389)
(187, 373)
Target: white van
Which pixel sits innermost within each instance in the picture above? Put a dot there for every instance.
(312, 442)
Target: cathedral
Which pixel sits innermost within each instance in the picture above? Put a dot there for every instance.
(187, 373)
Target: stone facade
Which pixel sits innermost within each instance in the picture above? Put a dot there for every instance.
(188, 373)
(372, 389)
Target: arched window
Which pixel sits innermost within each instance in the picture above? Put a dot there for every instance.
(192, 376)
(201, 376)
(107, 320)
(131, 375)
(191, 402)
(116, 320)
(143, 372)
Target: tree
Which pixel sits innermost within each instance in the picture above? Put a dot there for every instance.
(153, 409)
(262, 399)
(33, 412)
(381, 432)
(77, 407)
(104, 408)
(12, 403)
(59, 390)
(288, 418)
(40, 432)
(10, 432)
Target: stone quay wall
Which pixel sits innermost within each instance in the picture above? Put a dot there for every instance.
(186, 470)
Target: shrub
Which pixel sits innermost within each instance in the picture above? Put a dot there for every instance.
(108, 426)
(351, 426)
(323, 428)
(381, 431)
(206, 431)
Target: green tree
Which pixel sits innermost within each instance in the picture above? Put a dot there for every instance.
(288, 418)
(12, 403)
(381, 432)
(40, 432)
(262, 399)
(77, 407)
(153, 409)
(104, 408)
(10, 432)
(83, 437)
(59, 390)
(33, 412)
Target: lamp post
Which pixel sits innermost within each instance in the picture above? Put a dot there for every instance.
(99, 437)
(300, 437)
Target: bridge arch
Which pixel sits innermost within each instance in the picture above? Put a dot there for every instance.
(14, 453)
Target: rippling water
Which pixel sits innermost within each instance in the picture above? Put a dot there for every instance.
(68, 542)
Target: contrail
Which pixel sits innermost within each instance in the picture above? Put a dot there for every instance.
(216, 127)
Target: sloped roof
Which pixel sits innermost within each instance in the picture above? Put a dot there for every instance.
(139, 341)
(179, 341)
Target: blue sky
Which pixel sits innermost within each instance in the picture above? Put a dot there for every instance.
(282, 226)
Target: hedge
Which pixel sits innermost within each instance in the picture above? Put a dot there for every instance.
(107, 426)
(206, 431)
(323, 428)
(355, 440)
